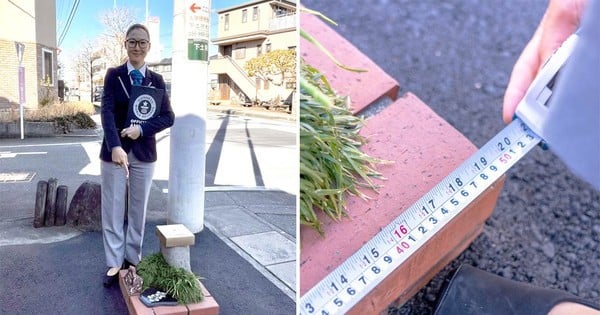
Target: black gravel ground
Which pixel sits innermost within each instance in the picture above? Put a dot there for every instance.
(457, 57)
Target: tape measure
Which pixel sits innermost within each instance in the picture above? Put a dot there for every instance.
(341, 289)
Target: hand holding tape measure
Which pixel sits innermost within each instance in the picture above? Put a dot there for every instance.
(340, 290)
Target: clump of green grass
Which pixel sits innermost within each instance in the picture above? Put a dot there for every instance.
(331, 163)
(178, 282)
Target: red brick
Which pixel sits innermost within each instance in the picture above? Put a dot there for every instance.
(363, 88)
(170, 310)
(204, 290)
(208, 306)
(425, 149)
(132, 301)
(138, 307)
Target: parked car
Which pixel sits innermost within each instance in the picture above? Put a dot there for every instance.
(98, 93)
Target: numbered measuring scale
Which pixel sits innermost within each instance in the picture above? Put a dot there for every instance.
(345, 286)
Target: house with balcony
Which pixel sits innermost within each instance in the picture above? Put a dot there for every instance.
(246, 31)
(164, 68)
(31, 26)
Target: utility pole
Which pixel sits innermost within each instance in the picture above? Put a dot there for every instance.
(92, 59)
(146, 12)
(189, 96)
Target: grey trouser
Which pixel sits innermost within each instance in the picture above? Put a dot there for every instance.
(124, 241)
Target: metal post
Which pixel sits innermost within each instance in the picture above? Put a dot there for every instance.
(22, 99)
(189, 98)
(20, 50)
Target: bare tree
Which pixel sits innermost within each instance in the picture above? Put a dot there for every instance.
(84, 63)
(116, 22)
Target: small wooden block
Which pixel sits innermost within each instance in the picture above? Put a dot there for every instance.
(173, 235)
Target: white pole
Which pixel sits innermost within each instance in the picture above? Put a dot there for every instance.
(189, 97)
(20, 51)
(22, 122)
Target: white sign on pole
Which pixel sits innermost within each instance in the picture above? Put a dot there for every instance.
(20, 50)
(197, 29)
(21, 85)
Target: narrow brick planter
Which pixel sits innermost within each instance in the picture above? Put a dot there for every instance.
(208, 306)
(424, 148)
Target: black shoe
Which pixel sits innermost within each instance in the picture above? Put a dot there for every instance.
(473, 291)
(127, 264)
(108, 281)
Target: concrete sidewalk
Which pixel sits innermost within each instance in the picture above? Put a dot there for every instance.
(246, 255)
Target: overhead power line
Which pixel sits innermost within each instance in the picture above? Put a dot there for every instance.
(68, 23)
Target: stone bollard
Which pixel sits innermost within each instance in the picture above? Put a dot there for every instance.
(40, 204)
(175, 241)
(61, 205)
(51, 202)
(85, 211)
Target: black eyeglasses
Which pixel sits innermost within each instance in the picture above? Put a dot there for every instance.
(131, 43)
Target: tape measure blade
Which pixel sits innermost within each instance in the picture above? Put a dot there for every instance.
(419, 222)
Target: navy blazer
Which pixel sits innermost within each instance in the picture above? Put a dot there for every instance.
(115, 103)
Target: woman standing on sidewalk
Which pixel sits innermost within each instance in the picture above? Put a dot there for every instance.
(128, 153)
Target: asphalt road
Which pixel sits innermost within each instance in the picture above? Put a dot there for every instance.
(457, 56)
(241, 151)
(245, 151)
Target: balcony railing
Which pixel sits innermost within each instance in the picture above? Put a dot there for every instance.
(256, 30)
(283, 22)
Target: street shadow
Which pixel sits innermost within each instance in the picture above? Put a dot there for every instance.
(213, 155)
(255, 167)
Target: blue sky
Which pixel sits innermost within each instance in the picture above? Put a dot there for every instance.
(86, 23)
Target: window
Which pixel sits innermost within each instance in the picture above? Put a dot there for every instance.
(265, 84)
(258, 50)
(226, 24)
(280, 11)
(244, 15)
(240, 53)
(268, 48)
(254, 13)
(48, 66)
